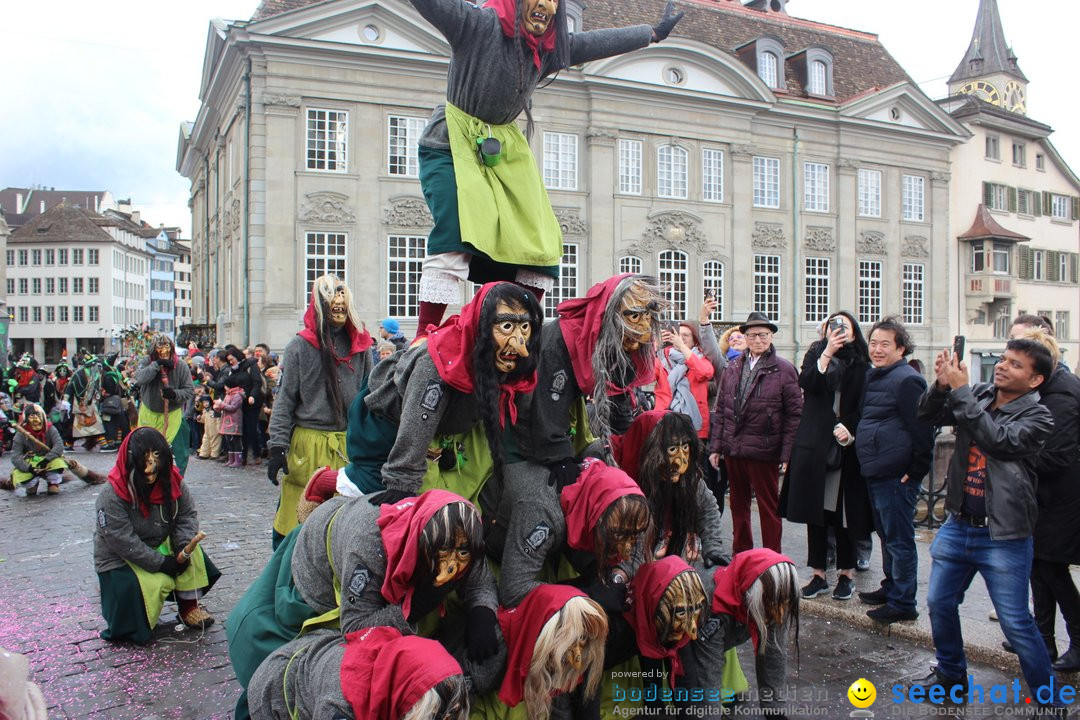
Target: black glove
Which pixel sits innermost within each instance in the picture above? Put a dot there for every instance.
(172, 567)
(168, 393)
(483, 642)
(276, 463)
(562, 473)
(717, 559)
(163, 362)
(667, 23)
(389, 496)
(611, 597)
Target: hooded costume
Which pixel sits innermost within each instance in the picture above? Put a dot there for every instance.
(303, 422)
(728, 625)
(646, 591)
(627, 450)
(133, 541)
(84, 392)
(34, 466)
(27, 380)
(493, 219)
(374, 674)
(164, 386)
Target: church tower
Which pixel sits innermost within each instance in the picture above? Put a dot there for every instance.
(989, 69)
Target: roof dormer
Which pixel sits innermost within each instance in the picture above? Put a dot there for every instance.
(814, 67)
(766, 56)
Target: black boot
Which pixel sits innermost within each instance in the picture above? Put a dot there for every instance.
(1070, 661)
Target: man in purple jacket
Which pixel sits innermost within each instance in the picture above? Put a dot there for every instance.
(752, 430)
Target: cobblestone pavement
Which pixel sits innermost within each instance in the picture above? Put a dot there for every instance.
(49, 611)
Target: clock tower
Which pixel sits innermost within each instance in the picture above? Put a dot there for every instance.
(989, 70)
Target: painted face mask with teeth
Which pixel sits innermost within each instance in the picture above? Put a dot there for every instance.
(339, 307)
(537, 15)
(511, 332)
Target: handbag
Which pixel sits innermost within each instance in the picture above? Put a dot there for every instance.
(834, 454)
(111, 405)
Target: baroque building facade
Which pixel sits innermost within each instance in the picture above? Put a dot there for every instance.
(789, 166)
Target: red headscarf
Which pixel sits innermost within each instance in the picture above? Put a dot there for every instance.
(35, 409)
(521, 627)
(451, 349)
(401, 525)
(507, 13)
(733, 581)
(580, 320)
(384, 673)
(358, 341)
(627, 448)
(122, 484)
(646, 590)
(584, 502)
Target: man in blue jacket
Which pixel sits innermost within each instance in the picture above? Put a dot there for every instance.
(990, 498)
(894, 449)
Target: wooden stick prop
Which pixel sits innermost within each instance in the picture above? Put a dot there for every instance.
(185, 554)
(28, 436)
(165, 400)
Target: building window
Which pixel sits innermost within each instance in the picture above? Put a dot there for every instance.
(404, 134)
(869, 291)
(996, 196)
(50, 257)
(62, 256)
(869, 193)
(1026, 203)
(671, 171)
(913, 294)
(77, 285)
(767, 69)
(819, 74)
(566, 286)
(630, 264)
(77, 256)
(35, 313)
(92, 285)
(993, 147)
(560, 161)
(50, 286)
(35, 283)
(35, 256)
(817, 289)
(712, 283)
(24, 315)
(1059, 208)
(1040, 162)
(63, 313)
(995, 257)
(914, 198)
(1061, 325)
(327, 132)
(815, 187)
(767, 285)
(766, 182)
(77, 313)
(324, 254)
(1019, 153)
(405, 260)
(24, 257)
(11, 286)
(1003, 322)
(10, 255)
(712, 175)
(1038, 265)
(630, 167)
(24, 286)
(93, 313)
(1063, 267)
(92, 258)
(50, 314)
(672, 276)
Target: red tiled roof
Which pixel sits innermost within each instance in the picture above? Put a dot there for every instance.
(986, 227)
(63, 223)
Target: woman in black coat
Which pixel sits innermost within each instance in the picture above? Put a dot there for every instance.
(824, 487)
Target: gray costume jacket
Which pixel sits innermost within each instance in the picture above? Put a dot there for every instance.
(148, 379)
(21, 447)
(122, 533)
(359, 561)
(1011, 442)
(312, 684)
(484, 63)
(302, 399)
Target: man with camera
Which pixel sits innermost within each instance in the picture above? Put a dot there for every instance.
(990, 497)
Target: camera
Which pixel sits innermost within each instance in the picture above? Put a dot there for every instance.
(837, 323)
(958, 344)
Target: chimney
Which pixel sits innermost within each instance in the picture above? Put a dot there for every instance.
(19, 203)
(42, 206)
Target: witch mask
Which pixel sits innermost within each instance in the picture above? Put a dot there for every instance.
(680, 610)
(451, 541)
(640, 311)
(511, 333)
(537, 15)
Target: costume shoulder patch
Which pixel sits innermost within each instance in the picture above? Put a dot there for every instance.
(558, 384)
(358, 581)
(709, 628)
(101, 518)
(537, 537)
(433, 394)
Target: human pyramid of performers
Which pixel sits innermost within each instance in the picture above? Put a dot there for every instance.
(487, 522)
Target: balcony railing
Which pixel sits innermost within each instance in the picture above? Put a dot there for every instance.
(990, 286)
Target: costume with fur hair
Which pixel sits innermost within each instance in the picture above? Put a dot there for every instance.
(160, 381)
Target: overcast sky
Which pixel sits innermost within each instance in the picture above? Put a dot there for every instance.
(95, 92)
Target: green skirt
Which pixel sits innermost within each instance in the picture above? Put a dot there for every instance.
(309, 450)
(18, 477)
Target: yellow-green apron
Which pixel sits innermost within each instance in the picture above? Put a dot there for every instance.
(156, 587)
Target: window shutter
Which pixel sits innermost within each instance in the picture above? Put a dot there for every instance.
(1047, 203)
(1026, 271)
(988, 194)
(1052, 272)
(1012, 199)
(1076, 208)
(1075, 267)
(1035, 204)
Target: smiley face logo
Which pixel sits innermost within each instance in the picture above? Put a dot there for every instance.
(862, 693)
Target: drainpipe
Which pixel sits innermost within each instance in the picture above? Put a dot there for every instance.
(247, 193)
(206, 238)
(795, 274)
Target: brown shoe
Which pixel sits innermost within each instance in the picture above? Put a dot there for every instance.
(197, 617)
(54, 490)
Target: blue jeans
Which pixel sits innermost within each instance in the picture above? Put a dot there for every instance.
(893, 503)
(959, 551)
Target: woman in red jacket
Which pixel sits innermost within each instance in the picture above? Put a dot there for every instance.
(682, 377)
